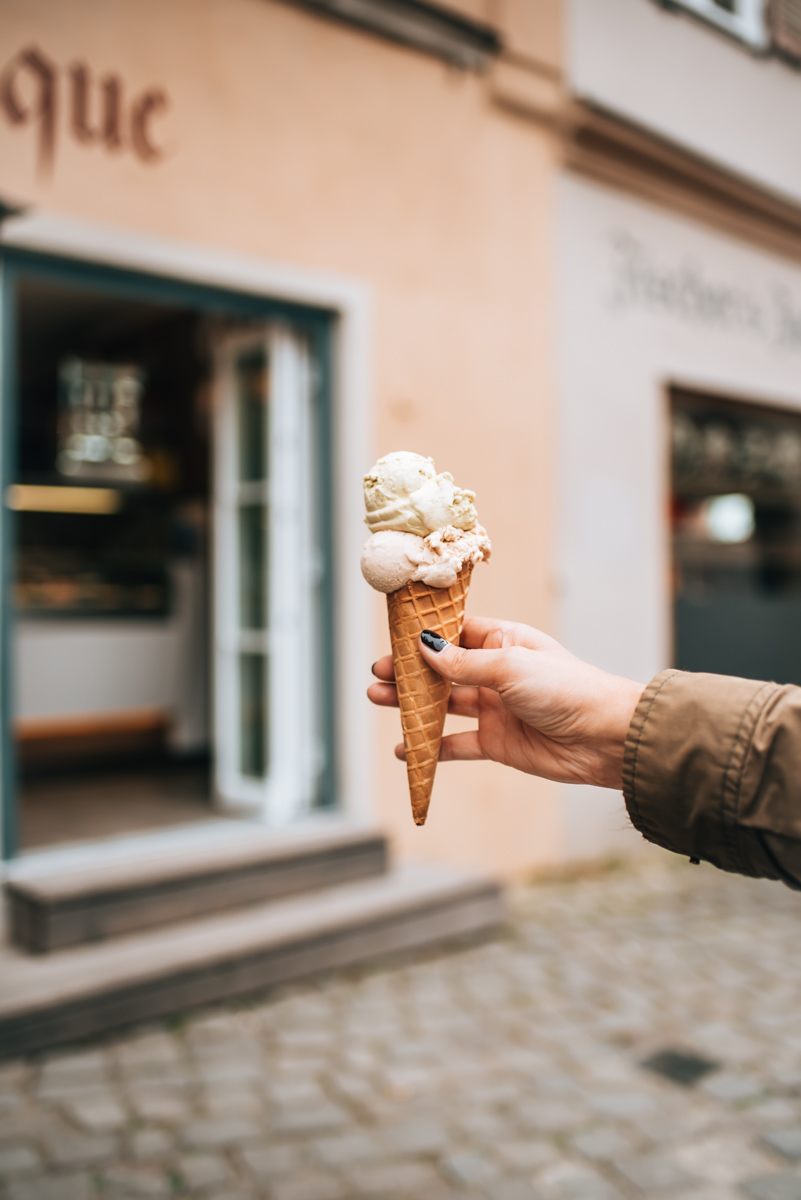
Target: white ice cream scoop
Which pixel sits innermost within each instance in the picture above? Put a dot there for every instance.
(404, 493)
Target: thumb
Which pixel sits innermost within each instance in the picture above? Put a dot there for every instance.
(479, 668)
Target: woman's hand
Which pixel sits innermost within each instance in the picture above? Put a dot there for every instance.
(539, 709)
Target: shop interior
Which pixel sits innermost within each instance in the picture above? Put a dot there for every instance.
(111, 581)
(736, 523)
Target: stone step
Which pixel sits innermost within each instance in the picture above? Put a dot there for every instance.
(87, 990)
(61, 908)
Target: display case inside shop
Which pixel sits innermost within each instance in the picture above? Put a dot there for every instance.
(112, 442)
(94, 564)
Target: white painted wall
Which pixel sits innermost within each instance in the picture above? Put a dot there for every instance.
(690, 83)
(645, 299)
(68, 667)
(71, 667)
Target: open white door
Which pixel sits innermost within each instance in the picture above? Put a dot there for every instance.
(267, 565)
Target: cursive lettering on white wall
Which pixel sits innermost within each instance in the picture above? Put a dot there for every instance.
(686, 290)
(35, 91)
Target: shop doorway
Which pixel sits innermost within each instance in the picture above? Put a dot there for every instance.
(736, 524)
(111, 564)
(169, 557)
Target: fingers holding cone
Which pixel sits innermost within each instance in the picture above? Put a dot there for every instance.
(454, 747)
(463, 701)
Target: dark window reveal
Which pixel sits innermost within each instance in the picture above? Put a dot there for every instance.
(736, 531)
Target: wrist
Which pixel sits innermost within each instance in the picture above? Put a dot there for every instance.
(620, 703)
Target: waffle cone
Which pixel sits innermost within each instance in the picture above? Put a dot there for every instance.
(422, 693)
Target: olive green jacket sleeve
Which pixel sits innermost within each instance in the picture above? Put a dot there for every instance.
(712, 769)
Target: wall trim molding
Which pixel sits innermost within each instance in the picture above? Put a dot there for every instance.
(417, 24)
(607, 149)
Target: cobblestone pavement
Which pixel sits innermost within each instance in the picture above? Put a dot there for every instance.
(507, 1071)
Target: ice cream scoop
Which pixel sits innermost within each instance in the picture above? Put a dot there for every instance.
(404, 493)
(391, 558)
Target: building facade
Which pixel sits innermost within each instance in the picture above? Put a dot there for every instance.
(679, 297)
(250, 246)
(286, 243)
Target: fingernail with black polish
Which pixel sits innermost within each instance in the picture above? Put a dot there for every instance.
(372, 669)
(433, 641)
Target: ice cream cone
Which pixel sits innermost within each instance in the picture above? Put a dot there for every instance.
(422, 693)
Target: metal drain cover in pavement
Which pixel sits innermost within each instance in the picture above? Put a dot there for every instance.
(679, 1067)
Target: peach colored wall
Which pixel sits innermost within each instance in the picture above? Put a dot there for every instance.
(532, 29)
(301, 141)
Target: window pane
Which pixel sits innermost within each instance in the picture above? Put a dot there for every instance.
(253, 715)
(252, 385)
(736, 516)
(253, 566)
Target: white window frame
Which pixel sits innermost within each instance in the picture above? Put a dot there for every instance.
(289, 640)
(748, 23)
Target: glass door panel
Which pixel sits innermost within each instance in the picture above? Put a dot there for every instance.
(253, 715)
(268, 725)
(253, 397)
(253, 559)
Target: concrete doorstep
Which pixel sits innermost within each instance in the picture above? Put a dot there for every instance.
(55, 909)
(85, 990)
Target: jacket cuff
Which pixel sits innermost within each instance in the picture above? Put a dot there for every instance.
(683, 766)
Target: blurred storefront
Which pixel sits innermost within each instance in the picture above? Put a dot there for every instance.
(249, 246)
(246, 248)
(240, 266)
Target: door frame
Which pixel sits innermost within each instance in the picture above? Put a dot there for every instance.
(335, 313)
